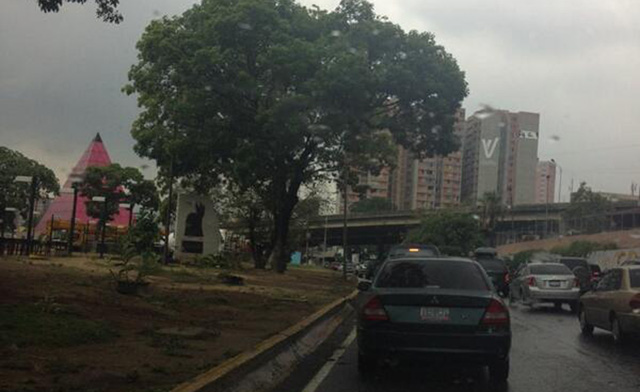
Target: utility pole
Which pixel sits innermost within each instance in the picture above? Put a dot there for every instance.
(546, 213)
(72, 227)
(324, 248)
(344, 220)
(167, 218)
(32, 202)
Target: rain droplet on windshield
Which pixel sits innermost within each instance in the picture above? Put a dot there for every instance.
(353, 50)
(554, 138)
(375, 32)
(402, 55)
(436, 129)
(245, 26)
(221, 115)
(335, 33)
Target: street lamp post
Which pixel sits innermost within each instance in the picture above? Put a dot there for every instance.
(72, 225)
(560, 181)
(103, 200)
(546, 211)
(32, 201)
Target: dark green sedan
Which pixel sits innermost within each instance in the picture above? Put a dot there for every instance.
(436, 309)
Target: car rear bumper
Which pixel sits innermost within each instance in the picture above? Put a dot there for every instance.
(549, 295)
(472, 348)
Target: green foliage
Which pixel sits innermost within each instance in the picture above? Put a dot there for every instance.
(107, 10)
(48, 326)
(521, 258)
(143, 236)
(16, 195)
(454, 233)
(587, 210)
(583, 248)
(372, 205)
(117, 185)
(272, 96)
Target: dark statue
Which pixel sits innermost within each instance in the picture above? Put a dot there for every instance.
(194, 222)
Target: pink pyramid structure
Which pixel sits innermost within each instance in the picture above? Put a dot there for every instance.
(62, 206)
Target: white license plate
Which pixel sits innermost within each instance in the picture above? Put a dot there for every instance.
(554, 284)
(434, 314)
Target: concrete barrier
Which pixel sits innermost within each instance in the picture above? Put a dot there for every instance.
(271, 361)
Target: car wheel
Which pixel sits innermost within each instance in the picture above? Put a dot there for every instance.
(616, 330)
(499, 371)
(585, 327)
(573, 306)
(366, 364)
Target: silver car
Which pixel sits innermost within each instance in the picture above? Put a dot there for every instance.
(546, 283)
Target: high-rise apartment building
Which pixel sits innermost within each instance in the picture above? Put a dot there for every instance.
(428, 183)
(417, 184)
(545, 182)
(500, 154)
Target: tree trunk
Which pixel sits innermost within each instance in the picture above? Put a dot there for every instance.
(256, 249)
(279, 256)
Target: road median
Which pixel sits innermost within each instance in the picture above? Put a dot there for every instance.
(272, 360)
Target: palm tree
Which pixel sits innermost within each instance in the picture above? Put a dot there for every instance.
(491, 209)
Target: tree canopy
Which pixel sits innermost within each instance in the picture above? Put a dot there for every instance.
(16, 195)
(117, 185)
(586, 211)
(107, 10)
(271, 96)
(454, 233)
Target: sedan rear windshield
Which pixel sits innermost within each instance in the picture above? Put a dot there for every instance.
(444, 274)
(550, 269)
(634, 278)
(492, 264)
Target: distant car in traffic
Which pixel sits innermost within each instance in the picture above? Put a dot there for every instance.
(433, 308)
(581, 269)
(404, 250)
(554, 283)
(614, 305)
(495, 267)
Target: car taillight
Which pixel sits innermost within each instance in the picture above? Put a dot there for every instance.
(496, 314)
(576, 282)
(374, 310)
(635, 302)
(507, 278)
(532, 281)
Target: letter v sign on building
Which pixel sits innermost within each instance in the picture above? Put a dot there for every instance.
(500, 154)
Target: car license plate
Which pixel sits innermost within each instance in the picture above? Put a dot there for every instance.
(434, 314)
(554, 283)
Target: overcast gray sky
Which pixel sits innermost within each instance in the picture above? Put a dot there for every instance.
(575, 62)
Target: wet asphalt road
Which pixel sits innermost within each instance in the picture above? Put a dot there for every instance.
(548, 354)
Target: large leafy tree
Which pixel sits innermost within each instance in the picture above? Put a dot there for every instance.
(454, 233)
(106, 10)
(117, 185)
(16, 195)
(271, 96)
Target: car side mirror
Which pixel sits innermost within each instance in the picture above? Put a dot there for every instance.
(364, 285)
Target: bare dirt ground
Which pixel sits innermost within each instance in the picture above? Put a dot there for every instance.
(63, 327)
(624, 240)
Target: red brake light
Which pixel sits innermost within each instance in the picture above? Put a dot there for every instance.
(374, 310)
(576, 282)
(635, 302)
(532, 281)
(496, 314)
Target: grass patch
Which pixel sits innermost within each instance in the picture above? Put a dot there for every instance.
(29, 325)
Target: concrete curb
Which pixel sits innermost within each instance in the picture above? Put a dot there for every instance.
(272, 359)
